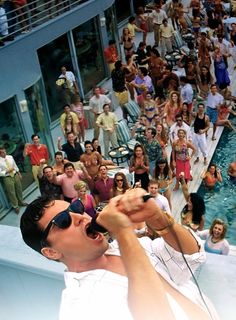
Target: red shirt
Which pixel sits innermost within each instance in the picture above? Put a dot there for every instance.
(111, 54)
(37, 153)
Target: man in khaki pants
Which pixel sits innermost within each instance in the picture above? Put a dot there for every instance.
(11, 180)
(157, 17)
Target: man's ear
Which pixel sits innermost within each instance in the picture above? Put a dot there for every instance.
(51, 253)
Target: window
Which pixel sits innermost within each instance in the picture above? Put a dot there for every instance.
(89, 54)
(11, 137)
(52, 57)
(122, 9)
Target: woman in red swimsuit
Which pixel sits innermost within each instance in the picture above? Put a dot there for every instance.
(211, 176)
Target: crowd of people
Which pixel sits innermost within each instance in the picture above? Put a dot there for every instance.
(175, 111)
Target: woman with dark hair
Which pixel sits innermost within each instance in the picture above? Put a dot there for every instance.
(162, 137)
(211, 176)
(58, 167)
(130, 74)
(193, 212)
(139, 164)
(186, 114)
(204, 81)
(163, 175)
(97, 147)
(120, 185)
(127, 41)
(215, 238)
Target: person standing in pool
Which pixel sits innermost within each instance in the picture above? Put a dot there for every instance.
(232, 171)
(215, 238)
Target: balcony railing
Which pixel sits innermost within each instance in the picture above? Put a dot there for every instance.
(23, 19)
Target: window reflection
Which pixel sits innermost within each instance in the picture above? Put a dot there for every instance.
(35, 106)
(89, 54)
(11, 137)
(52, 57)
(111, 25)
(122, 9)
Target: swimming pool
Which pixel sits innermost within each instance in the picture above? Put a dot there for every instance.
(221, 202)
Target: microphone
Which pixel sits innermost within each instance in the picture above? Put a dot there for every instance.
(96, 227)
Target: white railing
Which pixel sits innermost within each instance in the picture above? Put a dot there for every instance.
(23, 19)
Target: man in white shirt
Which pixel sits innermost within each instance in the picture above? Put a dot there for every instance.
(186, 92)
(70, 79)
(162, 201)
(11, 179)
(214, 101)
(128, 277)
(96, 104)
(179, 124)
(157, 16)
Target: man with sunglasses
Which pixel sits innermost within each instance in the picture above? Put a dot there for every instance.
(179, 124)
(124, 279)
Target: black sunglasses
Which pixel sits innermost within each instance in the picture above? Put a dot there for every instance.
(119, 180)
(63, 219)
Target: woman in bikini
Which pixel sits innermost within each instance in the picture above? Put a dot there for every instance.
(211, 176)
(127, 41)
(149, 108)
(193, 213)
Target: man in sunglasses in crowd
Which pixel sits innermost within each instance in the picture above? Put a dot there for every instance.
(129, 278)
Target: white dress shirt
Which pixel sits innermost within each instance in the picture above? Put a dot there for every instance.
(4, 166)
(96, 104)
(174, 131)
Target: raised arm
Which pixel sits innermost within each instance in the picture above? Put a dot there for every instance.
(146, 294)
(59, 145)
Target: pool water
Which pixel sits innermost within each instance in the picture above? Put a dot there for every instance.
(221, 202)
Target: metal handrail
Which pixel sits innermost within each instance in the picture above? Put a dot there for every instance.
(34, 14)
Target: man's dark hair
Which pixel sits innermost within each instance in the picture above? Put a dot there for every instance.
(69, 164)
(141, 44)
(70, 132)
(183, 79)
(47, 167)
(58, 153)
(201, 104)
(169, 67)
(179, 115)
(153, 130)
(34, 135)
(87, 142)
(144, 71)
(131, 19)
(106, 104)
(30, 230)
(118, 64)
(66, 105)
